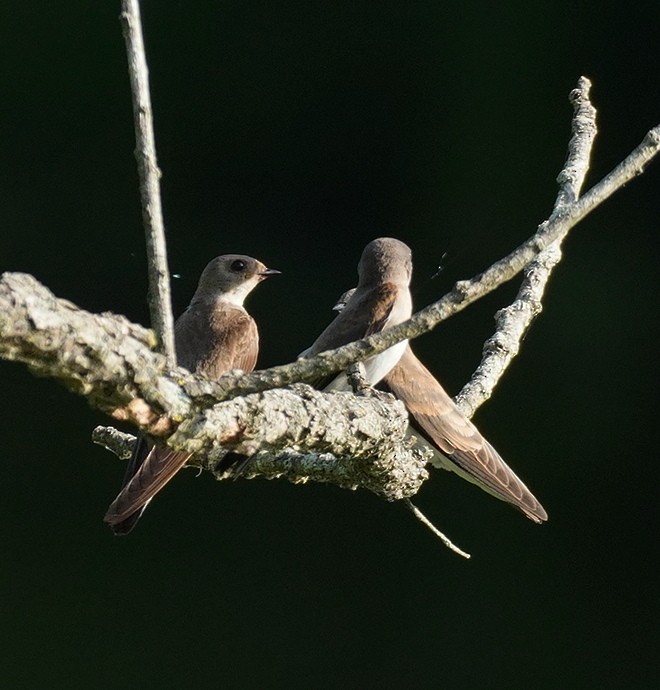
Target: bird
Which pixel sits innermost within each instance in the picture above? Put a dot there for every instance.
(438, 425)
(380, 300)
(212, 336)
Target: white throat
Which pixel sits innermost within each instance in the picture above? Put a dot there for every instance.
(236, 296)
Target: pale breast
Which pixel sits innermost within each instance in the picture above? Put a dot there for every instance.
(380, 365)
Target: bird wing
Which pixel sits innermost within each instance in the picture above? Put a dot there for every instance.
(141, 450)
(464, 450)
(367, 312)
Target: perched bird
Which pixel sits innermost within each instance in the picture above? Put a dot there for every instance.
(213, 335)
(380, 300)
(437, 424)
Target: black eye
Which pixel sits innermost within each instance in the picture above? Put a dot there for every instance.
(238, 265)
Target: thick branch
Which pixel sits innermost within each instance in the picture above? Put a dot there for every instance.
(160, 303)
(514, 321)
(302, 434)
(392, 473)
(341, 438)
(101, 356)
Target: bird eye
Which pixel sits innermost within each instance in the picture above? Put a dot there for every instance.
(238, 265)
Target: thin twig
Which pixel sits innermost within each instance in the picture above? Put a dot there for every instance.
(160, 305)
(424, 520)
(514, 321)
(584, 129)
(462, 294)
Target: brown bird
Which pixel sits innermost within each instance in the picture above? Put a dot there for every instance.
(381, 300)
(438, 425)
(213, 335)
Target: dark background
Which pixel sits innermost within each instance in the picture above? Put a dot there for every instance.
(297, 132)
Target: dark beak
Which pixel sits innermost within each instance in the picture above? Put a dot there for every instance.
(270, 272)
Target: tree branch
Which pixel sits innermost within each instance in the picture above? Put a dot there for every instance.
(514, 321)
(160, 303)
(101, 356)
(426, 522)
(302, 434)
(107, 358)
(298, 433)
(462, 294)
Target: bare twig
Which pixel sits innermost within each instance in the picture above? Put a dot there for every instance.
(584, 129)
(425, 521)
(514, 321)
(160, 305)
(462, 294)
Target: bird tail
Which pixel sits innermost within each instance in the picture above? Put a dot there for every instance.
(140, 451)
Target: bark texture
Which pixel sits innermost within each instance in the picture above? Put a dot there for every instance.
(297, 433)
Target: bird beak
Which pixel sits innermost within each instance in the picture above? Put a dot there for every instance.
(269, 272)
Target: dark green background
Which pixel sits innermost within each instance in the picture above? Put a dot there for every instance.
(297, 132)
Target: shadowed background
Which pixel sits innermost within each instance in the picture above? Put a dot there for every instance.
(297, 132)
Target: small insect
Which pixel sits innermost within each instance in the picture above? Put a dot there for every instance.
(441, 266)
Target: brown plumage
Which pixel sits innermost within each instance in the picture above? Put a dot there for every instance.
(213, 335)
(457, 444)
(455, 441)
(381, 300)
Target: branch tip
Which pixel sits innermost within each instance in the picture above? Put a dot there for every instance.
(425, 521)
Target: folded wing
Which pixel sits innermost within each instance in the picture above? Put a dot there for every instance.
(457, 443)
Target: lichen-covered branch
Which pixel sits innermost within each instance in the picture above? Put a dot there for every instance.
(118, 442)
(297, 433)
(302, 434)
(514, 321)
(104, 357)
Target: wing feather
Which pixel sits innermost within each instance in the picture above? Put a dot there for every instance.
(367, 312)
(462, 448)
(160, 465)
